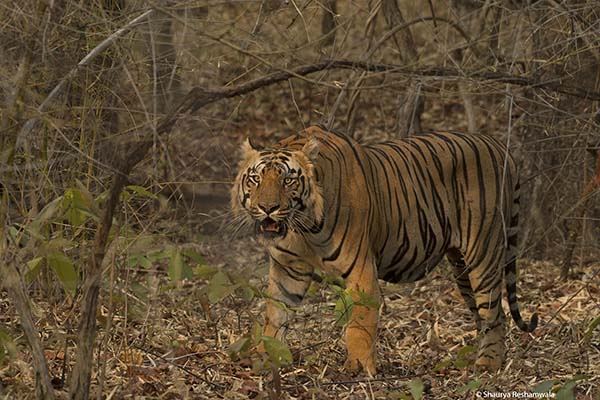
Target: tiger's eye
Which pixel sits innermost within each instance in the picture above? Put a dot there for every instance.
(289, 181)
(255, 179)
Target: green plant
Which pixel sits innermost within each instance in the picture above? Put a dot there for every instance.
(416, 388)
(462, 360)
(8, 347)
(563, 390)
(61, 236)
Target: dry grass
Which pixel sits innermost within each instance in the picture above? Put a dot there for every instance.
(162, 344)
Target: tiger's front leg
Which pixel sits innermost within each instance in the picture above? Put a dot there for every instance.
(287, 285)
(361, 331)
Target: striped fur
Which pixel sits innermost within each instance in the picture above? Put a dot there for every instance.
(390, 211)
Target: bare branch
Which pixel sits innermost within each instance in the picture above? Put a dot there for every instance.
(31, 124)
(80, 381)
(14, 285)
(199, 97)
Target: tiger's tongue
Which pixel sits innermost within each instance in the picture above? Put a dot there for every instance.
(271, 227)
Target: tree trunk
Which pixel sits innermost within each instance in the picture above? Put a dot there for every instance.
(13, 283)
(166, 82)
(329, 22)
(467, 13)
(576, 226)
(411, 104)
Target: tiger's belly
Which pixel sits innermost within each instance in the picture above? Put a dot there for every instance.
(414, 245)
(410, 270)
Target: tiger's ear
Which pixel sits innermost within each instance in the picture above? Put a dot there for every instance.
(311, 148)
(249, 149)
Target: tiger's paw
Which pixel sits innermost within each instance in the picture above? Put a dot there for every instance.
(484, 364)
(490, 361)
(355, 366)
(492, 350)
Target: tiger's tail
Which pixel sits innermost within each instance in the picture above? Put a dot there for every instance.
(511, 267)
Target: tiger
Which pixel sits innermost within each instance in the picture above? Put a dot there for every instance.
(320, 200)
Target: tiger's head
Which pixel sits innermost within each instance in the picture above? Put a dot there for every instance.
(276, 190)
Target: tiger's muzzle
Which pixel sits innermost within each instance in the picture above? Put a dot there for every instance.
(270, 228)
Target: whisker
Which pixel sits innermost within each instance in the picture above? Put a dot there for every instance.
(239, 223)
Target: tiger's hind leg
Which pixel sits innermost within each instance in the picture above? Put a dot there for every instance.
(461, 274)
(486, 277)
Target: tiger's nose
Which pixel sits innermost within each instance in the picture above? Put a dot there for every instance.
(268, 208)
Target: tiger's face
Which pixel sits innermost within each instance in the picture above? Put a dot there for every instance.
(276, 190)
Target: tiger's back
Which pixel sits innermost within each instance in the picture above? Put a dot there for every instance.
(436, 193)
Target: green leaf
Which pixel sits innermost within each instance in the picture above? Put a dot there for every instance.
(178, 268)
(58, 245)
(7, 346)
(587, 336)
(75, 217)
(247, 293)
(343, 307)
(90, 202)
(567, 391)
(219, 287)
(258, 365)
(78, 206)
(256, 332)
(472, 385)
(466, 350)
(102, 197)
(544, 387)
(367, 300)
(65, 271)
(141, 191)
(195, 256)
(279, 353)
(34, 266)
(139, 260)
(34, 263)
(159, 255)
(442, 364)
(45, 215)
(240, 346)
(18, 235)
(416, 388)
(219, 279)
(579, 377)
(49, 210)
(144, 262)
(205, 271)
(312, 289)
(140, 291)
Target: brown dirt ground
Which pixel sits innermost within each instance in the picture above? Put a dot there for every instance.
(166, 345)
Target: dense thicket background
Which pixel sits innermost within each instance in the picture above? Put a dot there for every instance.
(120, 122)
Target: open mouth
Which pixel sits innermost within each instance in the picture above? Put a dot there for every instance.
(270, 228)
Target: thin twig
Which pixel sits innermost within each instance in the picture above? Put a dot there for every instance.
(184, 369)
(31, 124)
(198, 97)
(385, 379)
